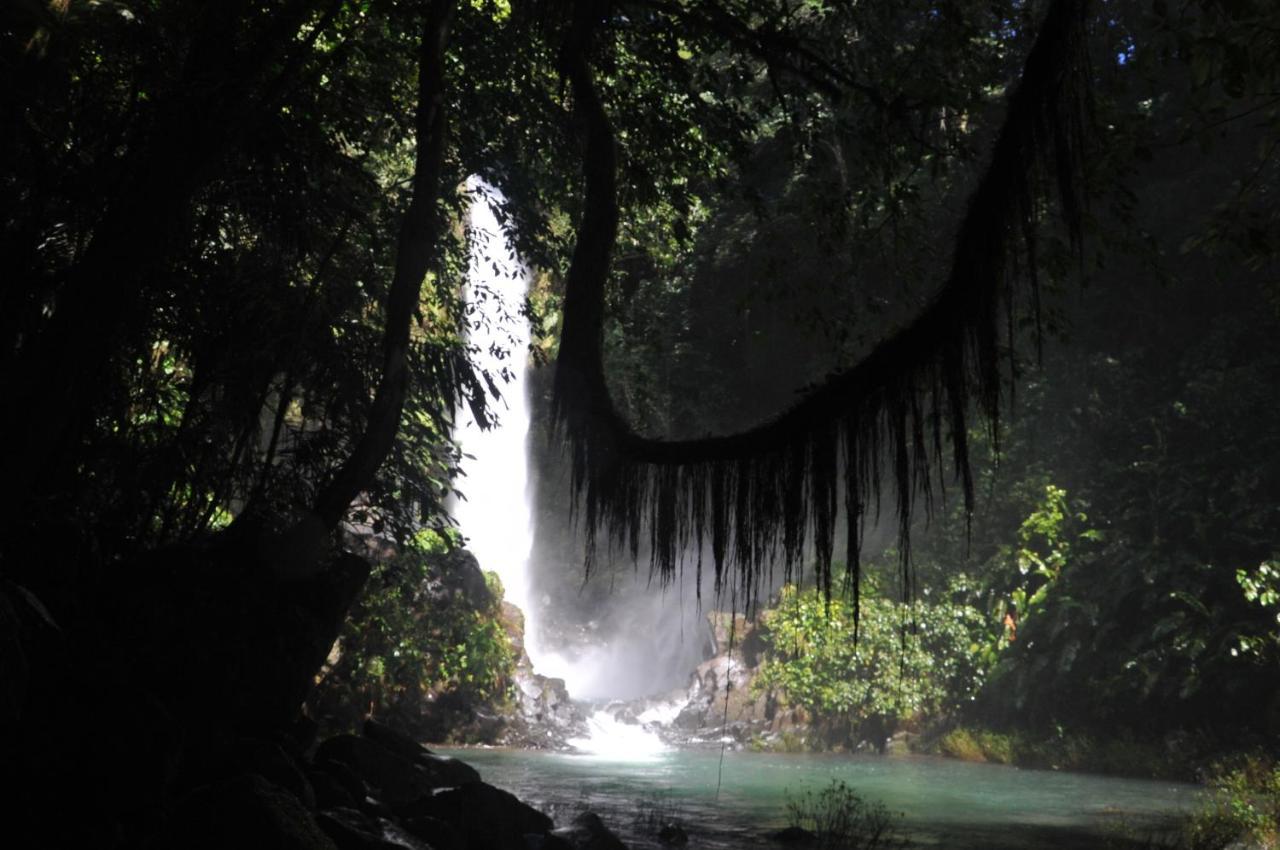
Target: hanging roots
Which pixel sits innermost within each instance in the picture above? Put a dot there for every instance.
(762, 496)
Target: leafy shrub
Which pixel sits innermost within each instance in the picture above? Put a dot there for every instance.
(424, 641)
(842, 820)
(909, 662)
(1244, 809)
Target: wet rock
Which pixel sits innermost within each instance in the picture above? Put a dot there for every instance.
(439, 834)
(271, 762)
(548, 717)
(395, 777)
(488, 818)
(247, 811)
(693, 716)
(353, 830)
(396, 836)
(588, 832)
(330, 792)
(350, 829)
(447, 770)
(394, 740)
(352, 786)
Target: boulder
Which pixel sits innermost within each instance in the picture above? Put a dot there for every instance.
(692, 716)
(439, 834)
(457, 573)
(342, 787)
(271, 762)
(488, 818)
(588, 832)
(353, 830)
(547, 713)
(350, 829)
(394, 778)
(397, 779)
(447, 770)
(444, 771)
(329, 791)
(246, 811)
(394, 740)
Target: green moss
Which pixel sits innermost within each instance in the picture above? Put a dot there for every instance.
(1061, 751)
(960, 743)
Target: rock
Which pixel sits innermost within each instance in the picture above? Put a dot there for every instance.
(794, 836)
(330, 791)
(444, 771)
(271, 762)
(299, 736)
(550, 841)
(588, 832)
(247, 811)
(692, 716)
(549, 716)
(447, 770)
(352, 786)
(673, 834)
(352, 830)
(394, 740)
(439, 834)
(396, 778)
(900, 743)
(460, 575)
(488, 818)
(396, 836)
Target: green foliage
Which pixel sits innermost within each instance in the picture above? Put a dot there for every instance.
(1262, 586)
(1062, 750)
(840, 819)
(909, 662)
(427, 629)
(1243, 808)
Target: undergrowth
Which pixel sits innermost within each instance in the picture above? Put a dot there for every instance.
(841, 820)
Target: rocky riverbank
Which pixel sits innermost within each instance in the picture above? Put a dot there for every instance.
(376, 791)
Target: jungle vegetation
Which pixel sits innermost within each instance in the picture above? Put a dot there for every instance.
(802, 265)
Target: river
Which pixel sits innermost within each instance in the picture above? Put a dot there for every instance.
(942, 803)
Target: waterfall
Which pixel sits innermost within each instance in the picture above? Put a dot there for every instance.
(496, 516)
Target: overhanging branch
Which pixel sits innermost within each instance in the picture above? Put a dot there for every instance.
(765, 492)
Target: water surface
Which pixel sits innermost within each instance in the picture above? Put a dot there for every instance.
(943, 803)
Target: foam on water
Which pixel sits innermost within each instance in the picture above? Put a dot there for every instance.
(611, 739)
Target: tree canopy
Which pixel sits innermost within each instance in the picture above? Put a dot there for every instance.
(220, 219)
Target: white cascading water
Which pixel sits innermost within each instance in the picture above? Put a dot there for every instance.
(496, 515)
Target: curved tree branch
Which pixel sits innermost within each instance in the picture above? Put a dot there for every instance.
(774, 486)
(417, 245)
